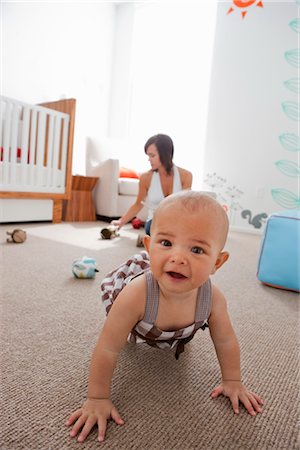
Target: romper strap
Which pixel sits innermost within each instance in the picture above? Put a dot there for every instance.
(151, 298)
(203, 307)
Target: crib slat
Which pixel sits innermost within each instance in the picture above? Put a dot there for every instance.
(50, 149)
(6, 136)
(32, 147)
(57, 130)
(14, 134)
(13, 145)
(64, 150)
(6, 142)
(2, 115)
(24, 144)
(40, 148)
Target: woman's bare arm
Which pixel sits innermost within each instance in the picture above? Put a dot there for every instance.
(186, 178)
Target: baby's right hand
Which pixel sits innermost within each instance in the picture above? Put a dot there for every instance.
(93, 411)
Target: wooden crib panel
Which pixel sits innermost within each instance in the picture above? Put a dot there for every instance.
(67, 106)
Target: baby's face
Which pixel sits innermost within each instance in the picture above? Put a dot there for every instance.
(184, 248)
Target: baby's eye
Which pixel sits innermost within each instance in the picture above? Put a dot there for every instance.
(197, 250)
(165, 243)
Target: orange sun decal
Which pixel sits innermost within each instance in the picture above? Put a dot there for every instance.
(244, 4)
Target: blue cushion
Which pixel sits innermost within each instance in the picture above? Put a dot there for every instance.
(279, 264)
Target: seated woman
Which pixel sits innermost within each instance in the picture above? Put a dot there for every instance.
(164, 178)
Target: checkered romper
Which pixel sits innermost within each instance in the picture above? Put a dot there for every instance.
(146, 330)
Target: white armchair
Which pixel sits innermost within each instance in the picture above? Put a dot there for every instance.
(112, 195)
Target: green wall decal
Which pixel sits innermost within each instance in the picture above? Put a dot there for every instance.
(290, 141)
(293, 57)
(295, 25)
(285, 198)
(291, 109)
(289, 168)
(293, 84)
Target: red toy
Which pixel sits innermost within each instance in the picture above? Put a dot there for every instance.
(137, 223)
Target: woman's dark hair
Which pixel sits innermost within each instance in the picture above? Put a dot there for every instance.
(165, 148)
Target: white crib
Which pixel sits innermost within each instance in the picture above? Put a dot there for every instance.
(35, 159)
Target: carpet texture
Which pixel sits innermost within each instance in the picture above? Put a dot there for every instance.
(50, 322)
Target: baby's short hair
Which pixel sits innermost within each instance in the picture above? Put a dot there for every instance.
(194, 201)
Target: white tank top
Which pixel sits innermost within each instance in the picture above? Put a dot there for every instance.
(155, 192)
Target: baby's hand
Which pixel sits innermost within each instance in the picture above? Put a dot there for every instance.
(93, 412)
(237, 392)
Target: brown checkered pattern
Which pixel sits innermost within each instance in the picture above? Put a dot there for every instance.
(145, 330)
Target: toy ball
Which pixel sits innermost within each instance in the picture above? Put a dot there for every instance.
(137, 223)
(109, 232)
(84, 267)
(17, 236)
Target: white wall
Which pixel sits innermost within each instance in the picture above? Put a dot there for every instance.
(61, 50)
(246, 115)
(163, 51)
(119, 111)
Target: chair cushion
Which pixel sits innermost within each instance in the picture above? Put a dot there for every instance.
(128, 186)
(128, 173)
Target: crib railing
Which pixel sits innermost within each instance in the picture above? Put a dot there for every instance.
(34, 148)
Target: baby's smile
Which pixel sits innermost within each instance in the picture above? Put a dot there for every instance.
(176, 275)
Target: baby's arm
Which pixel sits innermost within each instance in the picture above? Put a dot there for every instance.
(228, 353)
(126, 311)
(98, 408)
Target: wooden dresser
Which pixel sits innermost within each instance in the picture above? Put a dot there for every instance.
(80, 207)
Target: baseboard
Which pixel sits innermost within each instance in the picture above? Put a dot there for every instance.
(247, 230)
(25, 210)
(105, 218)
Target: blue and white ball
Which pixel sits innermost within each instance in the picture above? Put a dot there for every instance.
(84, 267)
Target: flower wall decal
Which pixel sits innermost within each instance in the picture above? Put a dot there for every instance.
(214, 181)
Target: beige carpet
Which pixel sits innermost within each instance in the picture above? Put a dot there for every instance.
(50, 322)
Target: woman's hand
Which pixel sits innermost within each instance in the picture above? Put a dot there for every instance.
(237, 393)
(93, 412)
(116, 223)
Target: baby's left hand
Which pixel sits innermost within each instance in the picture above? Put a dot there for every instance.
(237, 392)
